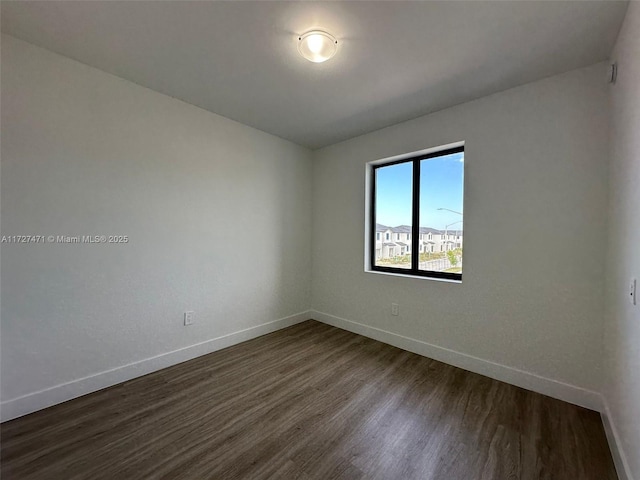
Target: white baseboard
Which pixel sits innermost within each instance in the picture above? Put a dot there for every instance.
(35, 401)
(619, 458)
(530, 381)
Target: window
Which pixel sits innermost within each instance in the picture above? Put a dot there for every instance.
(378, 236)
(423, 193)
(386, 236)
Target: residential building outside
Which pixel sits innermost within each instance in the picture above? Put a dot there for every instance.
(394, 247)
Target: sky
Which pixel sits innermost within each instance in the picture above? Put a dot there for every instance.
(440, 187)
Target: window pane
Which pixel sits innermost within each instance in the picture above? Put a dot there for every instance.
(394, 189)
(441, 194)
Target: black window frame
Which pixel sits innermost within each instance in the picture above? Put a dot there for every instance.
(415, 218)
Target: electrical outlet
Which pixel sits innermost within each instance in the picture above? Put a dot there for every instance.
(632, 291)
(188, 318)
(395, 309)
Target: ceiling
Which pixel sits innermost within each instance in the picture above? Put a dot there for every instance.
(396, 60)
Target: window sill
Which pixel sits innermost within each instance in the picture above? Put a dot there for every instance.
(416, 277)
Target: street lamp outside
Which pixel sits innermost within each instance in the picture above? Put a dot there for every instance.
(446, 227)
(449, 210)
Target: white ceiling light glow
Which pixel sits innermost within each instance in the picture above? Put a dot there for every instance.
(317, 46)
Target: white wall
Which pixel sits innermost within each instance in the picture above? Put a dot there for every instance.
(622, 319)
(218, 216)
(535, 228)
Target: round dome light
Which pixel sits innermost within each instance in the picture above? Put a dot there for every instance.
(317, 46)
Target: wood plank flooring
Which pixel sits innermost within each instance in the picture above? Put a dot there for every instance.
(309, 402)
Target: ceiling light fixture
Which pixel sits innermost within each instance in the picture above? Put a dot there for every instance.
(317, 46)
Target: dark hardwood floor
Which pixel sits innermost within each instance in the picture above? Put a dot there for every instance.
(309, 402)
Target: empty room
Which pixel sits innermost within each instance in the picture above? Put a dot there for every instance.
(389, 240)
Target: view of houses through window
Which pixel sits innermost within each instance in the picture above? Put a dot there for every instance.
(439, 240)
(439, 250)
